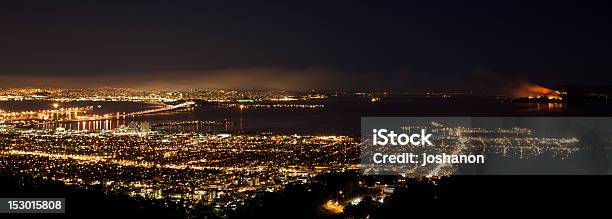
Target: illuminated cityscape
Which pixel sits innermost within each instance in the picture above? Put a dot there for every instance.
(218, 163)
(223, 170)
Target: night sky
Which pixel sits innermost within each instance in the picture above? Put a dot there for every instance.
(402, 45)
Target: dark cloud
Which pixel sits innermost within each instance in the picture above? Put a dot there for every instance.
(247, 78)
(401, 45)
(252, 78)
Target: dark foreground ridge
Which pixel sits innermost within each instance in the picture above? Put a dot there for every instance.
(88, 202)
(450, 196)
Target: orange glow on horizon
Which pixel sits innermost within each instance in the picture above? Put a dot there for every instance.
(536, 91)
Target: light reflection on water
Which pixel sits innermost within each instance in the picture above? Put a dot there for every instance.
(87, 125)
(546, 107)
(117, 123)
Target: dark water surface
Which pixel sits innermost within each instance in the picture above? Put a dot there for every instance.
(338, 116)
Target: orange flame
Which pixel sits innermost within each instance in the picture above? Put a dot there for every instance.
(536, 91)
